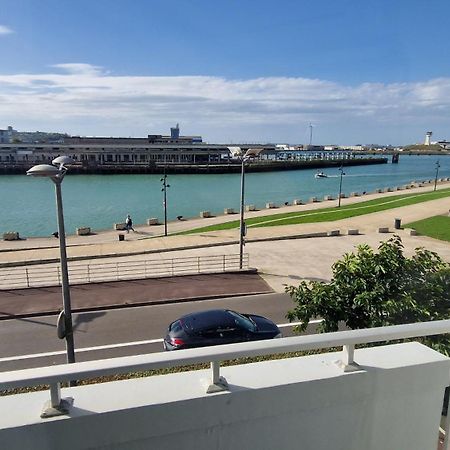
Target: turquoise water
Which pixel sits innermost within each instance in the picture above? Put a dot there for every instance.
(28, 204)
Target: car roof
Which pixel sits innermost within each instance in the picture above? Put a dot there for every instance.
(207, 319)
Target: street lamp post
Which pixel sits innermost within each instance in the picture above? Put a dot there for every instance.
(164, 189)
(341, 169)
(250, 153)
(56, 174)
(437, 172)
(241, 221)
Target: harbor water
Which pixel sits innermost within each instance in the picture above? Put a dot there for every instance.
(98, 201)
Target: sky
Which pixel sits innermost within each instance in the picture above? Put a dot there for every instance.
(233, 71)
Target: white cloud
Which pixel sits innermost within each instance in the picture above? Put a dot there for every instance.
(5, 30)
(85, 99)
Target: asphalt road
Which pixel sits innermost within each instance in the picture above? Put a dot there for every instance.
(20, 338)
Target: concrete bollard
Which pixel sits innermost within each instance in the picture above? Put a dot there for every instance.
(153, 221)
(297, 201)
(270, 205)
(354, 194)
(353, 232)
(228, 211)
(383, 230)
(413, 232)
(11, 236)
(378, 191)
(328, 197)
(205, 214)
(250, 208)
(399, 188)
(334, 233)
(342, 195)
(120, 226)
(313, 200)
(83, 231)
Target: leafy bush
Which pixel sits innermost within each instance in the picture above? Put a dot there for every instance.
(373, 289)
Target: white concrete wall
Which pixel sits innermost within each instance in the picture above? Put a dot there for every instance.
(393, 403)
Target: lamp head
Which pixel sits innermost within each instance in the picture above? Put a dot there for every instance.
(62, 161)
(43, 170)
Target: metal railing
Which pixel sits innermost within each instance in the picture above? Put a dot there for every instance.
(55, 375)
(40, 276)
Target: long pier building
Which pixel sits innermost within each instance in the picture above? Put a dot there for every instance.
(157, 153)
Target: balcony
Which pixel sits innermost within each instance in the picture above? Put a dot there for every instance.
(377, 398)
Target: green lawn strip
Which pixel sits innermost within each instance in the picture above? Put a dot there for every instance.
(437, 227)
(328, 214)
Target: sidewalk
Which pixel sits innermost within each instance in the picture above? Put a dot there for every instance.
(119, 294)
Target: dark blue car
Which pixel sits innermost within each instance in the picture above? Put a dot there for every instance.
(218, 326)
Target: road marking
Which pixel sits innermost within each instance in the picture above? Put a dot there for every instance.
(293, 324)
(111, 346)
(80, 350)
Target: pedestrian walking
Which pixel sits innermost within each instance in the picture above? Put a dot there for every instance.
(129, 223)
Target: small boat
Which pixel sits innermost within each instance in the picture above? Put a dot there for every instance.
(321, 175)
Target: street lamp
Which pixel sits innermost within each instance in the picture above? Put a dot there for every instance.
(437, 172)
(164, 189)
(341, 169)
(56, 174)
(251, 153)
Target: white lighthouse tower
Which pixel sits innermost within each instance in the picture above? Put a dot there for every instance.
(428, 137)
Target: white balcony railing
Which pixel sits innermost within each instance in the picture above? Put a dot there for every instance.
(55, 375)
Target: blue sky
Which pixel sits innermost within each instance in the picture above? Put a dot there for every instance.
(232, 71)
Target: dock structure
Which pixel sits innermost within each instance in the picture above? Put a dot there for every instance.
(172, 154)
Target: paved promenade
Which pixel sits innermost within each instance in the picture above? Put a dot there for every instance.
(283, 255)
(149, 239)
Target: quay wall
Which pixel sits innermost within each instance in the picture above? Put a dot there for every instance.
(218, 168)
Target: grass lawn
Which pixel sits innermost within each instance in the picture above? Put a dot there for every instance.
(329, 214)
(437, 227)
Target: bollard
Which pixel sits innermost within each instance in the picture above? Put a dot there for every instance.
(121, 237)
(398, 224)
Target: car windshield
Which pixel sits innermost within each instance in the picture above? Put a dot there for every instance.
(243, 322)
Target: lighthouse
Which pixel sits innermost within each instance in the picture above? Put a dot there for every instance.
(428, 137)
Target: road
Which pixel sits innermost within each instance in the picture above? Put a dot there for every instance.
(20, 338)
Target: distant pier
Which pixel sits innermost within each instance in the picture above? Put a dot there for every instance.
(208, 168)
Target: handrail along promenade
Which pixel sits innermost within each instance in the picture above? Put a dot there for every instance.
(55, 375)
(47, 275)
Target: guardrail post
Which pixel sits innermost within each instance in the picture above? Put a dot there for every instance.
(218, 383)
(224, 264)
(198, 264)
(56, 406)
(27, 277)
(347, 363)
(88, 275)
(58, 270)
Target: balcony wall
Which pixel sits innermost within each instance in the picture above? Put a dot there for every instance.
(393, 402)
